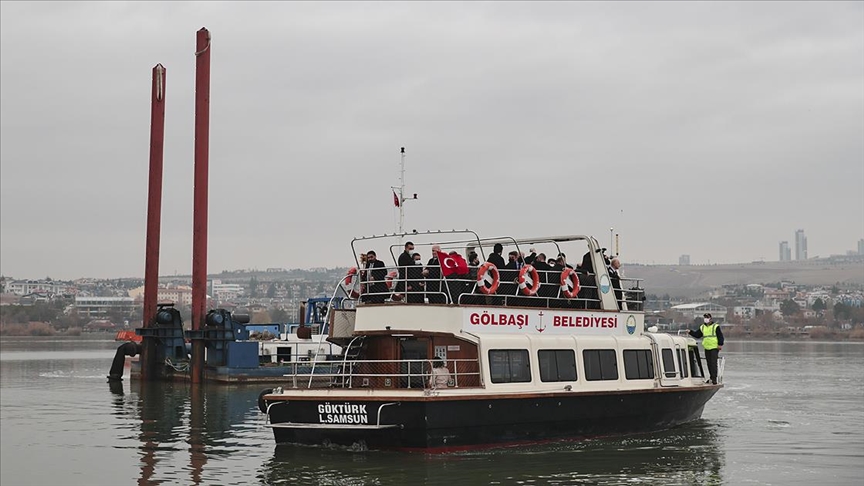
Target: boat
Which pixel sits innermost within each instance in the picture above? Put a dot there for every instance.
(528, 355)
(305, 340)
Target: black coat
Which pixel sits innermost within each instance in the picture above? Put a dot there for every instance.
(377, 274)
(405, 262)
(497, 260)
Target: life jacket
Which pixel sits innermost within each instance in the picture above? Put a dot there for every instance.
(709, 336)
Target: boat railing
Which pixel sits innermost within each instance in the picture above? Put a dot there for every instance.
(385, 285)
(387, 374)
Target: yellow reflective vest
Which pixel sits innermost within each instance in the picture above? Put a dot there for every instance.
(709, 336)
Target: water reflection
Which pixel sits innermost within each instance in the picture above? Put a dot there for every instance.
(116, 389)
(791, 413)
(691, 454)
(185, 435)
(198, 421)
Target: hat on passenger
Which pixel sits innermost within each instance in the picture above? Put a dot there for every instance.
(707, 315)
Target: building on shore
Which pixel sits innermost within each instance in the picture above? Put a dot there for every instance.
(697, 309)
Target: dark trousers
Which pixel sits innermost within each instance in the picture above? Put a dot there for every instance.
(711, 356)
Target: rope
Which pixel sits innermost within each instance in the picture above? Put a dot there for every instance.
(205, 47)
(180, 368)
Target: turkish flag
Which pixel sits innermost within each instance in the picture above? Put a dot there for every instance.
(395, 199)
(452, 264)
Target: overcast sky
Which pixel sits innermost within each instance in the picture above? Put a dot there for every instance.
(714, 130)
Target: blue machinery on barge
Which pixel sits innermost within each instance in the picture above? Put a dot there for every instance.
(231, 356)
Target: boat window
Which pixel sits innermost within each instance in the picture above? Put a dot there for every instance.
(695, 364)
(668, 363)
(557, 364)
(638, 364)
(600, 364)
(509, 366)
(682, 362)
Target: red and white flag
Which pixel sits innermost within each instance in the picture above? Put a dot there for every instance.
(395, 199)
(452, 264)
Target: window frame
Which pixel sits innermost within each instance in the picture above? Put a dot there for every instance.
(494, 362)
(592, 358)
(644, 364)
(667, 356)
(556, 360)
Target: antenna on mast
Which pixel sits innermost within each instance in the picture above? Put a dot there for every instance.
(399, 193)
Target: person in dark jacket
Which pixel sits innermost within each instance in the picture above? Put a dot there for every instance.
(377, 275)
(405, 261)
(496, 258)
(712, 342)
(432, 272)
(532, 255)
(615, 278)
(416, 285)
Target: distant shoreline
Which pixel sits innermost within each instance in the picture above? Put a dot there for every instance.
(819, 335)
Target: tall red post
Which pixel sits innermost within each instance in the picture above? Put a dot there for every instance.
(154, 215)
(199, 221)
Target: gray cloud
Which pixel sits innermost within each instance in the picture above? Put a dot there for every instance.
(717, 128)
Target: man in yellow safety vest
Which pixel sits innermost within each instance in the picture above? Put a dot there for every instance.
(712, 342)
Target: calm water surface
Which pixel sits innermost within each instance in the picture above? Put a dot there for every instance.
(791, 413)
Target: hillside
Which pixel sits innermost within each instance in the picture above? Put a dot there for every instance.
(679, 281)
(692, 280)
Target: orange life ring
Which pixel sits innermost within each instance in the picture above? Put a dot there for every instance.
(529, 285)
(489, 269)
(353, 289)
(569, 277)
(389, 278)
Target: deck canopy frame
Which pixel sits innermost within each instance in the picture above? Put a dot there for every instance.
(451, 240)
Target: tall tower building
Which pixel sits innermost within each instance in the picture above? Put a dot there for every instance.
(800, 245)
(861, 246)
(684, 260)
(785, 251)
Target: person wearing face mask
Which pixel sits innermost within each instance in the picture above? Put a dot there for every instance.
(712, 341)
(415, 281)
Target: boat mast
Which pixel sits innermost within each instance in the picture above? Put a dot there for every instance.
(400, 196)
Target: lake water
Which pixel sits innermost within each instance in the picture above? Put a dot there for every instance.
(791, 413)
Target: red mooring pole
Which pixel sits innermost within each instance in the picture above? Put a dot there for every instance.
(199, 221)
(154, 216)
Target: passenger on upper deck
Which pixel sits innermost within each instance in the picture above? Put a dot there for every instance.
(495, 257)
(473, 269)
(513, 261)
(562, 260)
(415, 282)
(587, 265)
(376, 277)
(532, 255)
(457, 275)
(615, 278)
(362, 258)
(540, 263)
(432, 272)
(588, 296)
(507, 279)
(405, 262)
